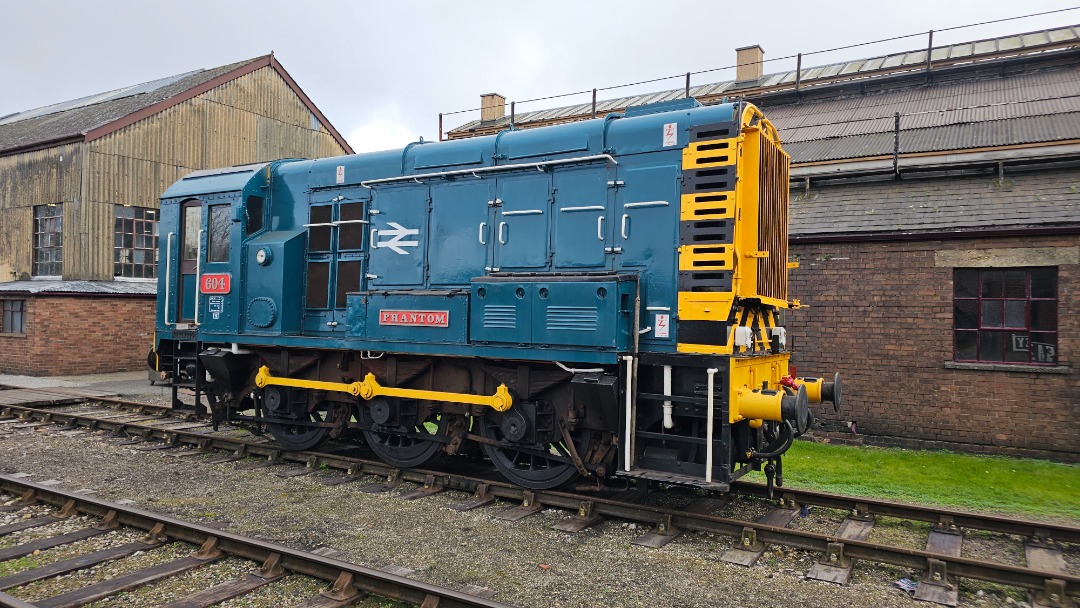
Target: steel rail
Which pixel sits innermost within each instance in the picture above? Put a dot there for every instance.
(854, 504)
(300, 562)
(872, 506)
(662, 517)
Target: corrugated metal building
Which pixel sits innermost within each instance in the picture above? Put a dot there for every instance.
(79, 183)
(936, 218)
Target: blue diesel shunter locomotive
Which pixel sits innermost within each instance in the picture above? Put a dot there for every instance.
(584, 300)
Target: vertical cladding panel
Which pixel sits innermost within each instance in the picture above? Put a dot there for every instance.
(256, 117)
(35, 178)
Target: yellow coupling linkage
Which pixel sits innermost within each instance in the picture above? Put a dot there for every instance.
(370, 388)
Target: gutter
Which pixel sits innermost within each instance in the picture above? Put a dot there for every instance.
(935, 235)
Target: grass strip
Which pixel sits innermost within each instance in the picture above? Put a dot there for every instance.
(998, 484)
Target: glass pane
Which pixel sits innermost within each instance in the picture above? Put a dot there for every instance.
(1043, 348)
(1016, 347)
(1044, 282)
(348, 280)
(1016, 283)
(966, 314)
(991, 313)
(319, 236)
(1015, 313)
(253, 212)
(993, 282)
(318, 284)
(991, 344)
(192, 220)
(966, 283)
(966, 345)
(219, 233)
(1044, 315)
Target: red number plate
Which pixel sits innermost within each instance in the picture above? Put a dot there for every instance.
(216, 283)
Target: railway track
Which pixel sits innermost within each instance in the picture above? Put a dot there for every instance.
(1045, 573)
(269, 562)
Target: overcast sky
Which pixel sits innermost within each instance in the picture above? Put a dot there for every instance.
(382, 72)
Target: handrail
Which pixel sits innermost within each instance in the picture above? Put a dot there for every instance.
(198, 275)
(538, 165)
(168, 275)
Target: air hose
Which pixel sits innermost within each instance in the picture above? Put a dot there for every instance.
(779, 446)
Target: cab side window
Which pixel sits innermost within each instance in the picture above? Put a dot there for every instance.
(220, 221)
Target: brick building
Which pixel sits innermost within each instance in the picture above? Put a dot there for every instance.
(935, 215)
(79, 183)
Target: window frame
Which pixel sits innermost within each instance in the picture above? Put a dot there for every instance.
(218, 244)
(8, 315)
(988, 315)
(138, 218)
(42, 268)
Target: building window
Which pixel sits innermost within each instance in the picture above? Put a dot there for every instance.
(48, 240)
(13, 317)
(1005, 315)
(135, 242)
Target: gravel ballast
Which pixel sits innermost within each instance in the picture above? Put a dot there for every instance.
(526, 563)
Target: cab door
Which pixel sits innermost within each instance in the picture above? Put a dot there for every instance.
(336, 227)
(191, 231)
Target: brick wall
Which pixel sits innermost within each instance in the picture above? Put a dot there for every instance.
(68, 335)
(881, 314)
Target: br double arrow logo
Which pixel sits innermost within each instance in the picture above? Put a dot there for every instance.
(398, 233)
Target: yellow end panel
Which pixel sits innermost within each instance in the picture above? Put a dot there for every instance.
(748, 373)
(706, 257)
(708, 206)
(713, 153)
(704, 306)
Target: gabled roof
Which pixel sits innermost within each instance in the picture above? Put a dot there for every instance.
(95, 116)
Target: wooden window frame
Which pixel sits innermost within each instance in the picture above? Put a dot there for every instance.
(12, 322)
(986, 317)
(135, 230)
(48, 244)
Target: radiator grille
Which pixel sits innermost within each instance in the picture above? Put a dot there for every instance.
(500, 317)
(773, 220)
(571, 318)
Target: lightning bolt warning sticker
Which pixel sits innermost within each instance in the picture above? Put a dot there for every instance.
(662, 326)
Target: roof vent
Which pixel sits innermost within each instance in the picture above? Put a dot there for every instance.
(492, 106)
(748, 63)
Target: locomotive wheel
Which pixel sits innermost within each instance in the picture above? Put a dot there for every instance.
(529, 467)
(299, 437)
(408, 447)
